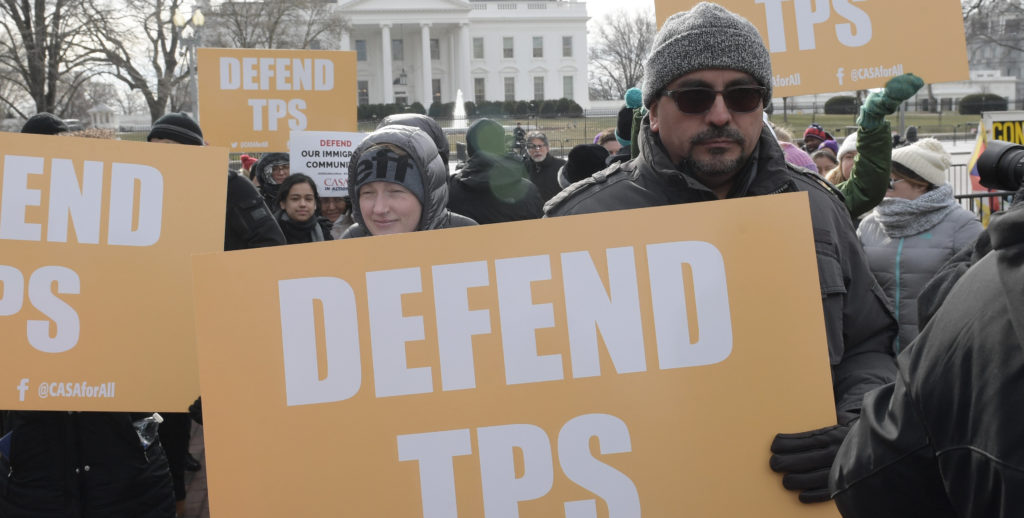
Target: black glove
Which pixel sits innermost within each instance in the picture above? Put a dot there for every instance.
(805, 459)
(195, 410)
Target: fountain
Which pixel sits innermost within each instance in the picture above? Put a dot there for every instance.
(459, 115)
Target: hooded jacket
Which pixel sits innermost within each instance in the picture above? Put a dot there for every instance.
(944, 440)
(264, 169)
(428, 162)
(859, 324)
(425, 123)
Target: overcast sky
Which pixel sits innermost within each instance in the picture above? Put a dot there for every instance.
(596, 9)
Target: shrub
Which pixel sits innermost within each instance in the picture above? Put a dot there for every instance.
(974, 104)
(841, 105)
(470, 108)
(417, 107)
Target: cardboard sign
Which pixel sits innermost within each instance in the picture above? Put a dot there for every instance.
(612, 364)
(822, 46)
(252, 99)
(96, 307)
(324, 155)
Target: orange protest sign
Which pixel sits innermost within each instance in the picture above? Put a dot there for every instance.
(252, 99)
(96, 308)
(625, 362)
(827, 46)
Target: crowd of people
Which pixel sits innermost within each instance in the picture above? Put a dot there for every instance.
(923, 330)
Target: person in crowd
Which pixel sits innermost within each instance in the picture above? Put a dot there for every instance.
(428, 125)
(796, 156)
(830, 145)
(491, 188)
(864, 156)
(583, 161)
(814, 135)
(706, 83)
(824, 160)
(945, 439)
(82, 464)
(270, 171)
(298, 211)
(541, 166)
(337, 210)
(400, 184)
(624, 123)
(915, 229)
(609, 141)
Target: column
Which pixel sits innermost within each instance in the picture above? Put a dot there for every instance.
(465, 78)
(425, 75)
(345, 42)
(385, 71)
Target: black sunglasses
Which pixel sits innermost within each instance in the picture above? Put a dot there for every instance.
(698, 100)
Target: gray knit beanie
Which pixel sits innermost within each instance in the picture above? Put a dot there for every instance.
(705, 37)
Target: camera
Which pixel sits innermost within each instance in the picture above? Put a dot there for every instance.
(1001, 166)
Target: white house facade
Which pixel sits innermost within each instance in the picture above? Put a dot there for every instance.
(427, 50)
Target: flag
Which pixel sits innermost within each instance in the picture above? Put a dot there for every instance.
(982, 206)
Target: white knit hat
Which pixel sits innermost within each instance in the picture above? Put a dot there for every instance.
(926, 158)
(849, 145)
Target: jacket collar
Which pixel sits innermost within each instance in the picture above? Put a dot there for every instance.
(764, 173)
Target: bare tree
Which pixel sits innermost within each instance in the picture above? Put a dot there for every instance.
(41, 54)
(617, 50)
(276, 24)
(141, 45)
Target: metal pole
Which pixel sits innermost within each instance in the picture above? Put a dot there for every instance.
(903, 119)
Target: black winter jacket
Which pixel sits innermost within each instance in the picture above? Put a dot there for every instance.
(428, 162)
(248, 223)
(83, 465)
(544, 175)
(859, 323)
(492, 189)
(947, 438)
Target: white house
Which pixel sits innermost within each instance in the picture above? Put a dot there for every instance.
(427, 50)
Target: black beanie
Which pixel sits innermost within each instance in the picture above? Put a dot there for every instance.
(624, 125)
(44, 123)
(178, 127)
(583, 161)
(485, 135)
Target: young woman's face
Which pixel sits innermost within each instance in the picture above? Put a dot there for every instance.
(300, 204)
(389, 208)
(900, 188)
(333, 207)
(825, 164)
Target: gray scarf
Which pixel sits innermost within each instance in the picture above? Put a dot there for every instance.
(900, 217)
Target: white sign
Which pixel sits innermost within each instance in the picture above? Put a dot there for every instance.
(324, 155)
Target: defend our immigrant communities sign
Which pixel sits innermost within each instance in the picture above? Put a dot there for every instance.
(324, 155)
(823, 46)
(250, 100)
(96, 306)
(610, 365)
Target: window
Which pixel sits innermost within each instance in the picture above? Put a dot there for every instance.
(538, 88)
(364, 91)
(435, 88)
(360, 50)
(478, 90)
(478, 48)
(510, 88)
(566, 46)
(401, 100)
(435, 49)
(567, 87)
(506, 47)
(538, 46)
(397, 50)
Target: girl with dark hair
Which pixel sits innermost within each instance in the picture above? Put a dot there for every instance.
(298, 211)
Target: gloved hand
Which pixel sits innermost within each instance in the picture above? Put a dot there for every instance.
(879, 104)
(806, 458)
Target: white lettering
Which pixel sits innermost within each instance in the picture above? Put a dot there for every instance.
(64, 318)
(434, 451)
(82, 204)
(861, 21)
(502, 490)
(618, 491)
(122, 205)
(456, 324)
(390, 330)
(230, 73)
(16, 197)
(520, 318)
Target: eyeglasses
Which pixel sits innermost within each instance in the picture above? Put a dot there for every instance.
(699, 100)
(531, 147)
(892, 182)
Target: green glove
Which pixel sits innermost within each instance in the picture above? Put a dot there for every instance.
(879, 104)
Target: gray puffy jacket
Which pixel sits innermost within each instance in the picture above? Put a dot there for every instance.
(903, 265)
(428, 162)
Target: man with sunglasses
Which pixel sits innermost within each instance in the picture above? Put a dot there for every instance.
(706, 82)
(542, 166)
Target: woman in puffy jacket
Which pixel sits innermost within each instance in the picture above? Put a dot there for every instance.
(915, 229)
(399, 184)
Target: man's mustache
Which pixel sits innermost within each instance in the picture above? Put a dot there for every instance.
(718, 133)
